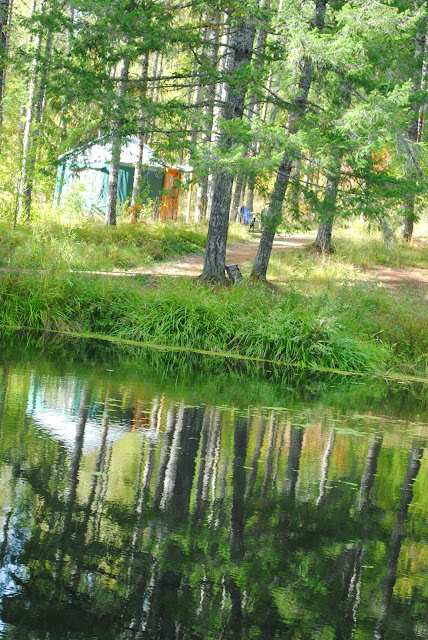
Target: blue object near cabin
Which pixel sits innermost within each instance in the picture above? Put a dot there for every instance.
(246, 215)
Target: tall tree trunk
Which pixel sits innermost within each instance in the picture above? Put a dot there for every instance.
(274, 213)
(233, 108)
(32, 148)
(202, 193)
(253, 109)
(141, 133)
(227, 46)
(30, 112)
(154, 89)
(237, 197)
(68, 47)
(196, 111)
(249, 196)
(414, 129)
(325, 226)
(5, 17)
(116, 144)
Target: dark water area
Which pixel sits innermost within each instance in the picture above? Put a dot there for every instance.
(167, 498)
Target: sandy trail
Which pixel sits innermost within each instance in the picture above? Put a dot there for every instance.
(191, 265)
(238, 254)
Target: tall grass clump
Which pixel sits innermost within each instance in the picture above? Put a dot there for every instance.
(89, 245)
(248, 320)
(360, 247)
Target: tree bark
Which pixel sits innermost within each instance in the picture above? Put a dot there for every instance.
(154, 88)
(5, 16)
(202, 193)
(237, 197)
(253, 109)
(141, 133)
(274, 213)
(414, 129)
(198, 91)
(116, 145)
(233, 108)
(30, 112)
(227, 45)
(32, 148)
(325, 227)
(249, 196)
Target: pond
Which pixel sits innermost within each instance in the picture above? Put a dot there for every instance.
(159, 498)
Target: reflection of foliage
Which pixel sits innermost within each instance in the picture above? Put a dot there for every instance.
(217, 379)
(207, 521)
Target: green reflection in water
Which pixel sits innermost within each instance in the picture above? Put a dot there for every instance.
(170, 498)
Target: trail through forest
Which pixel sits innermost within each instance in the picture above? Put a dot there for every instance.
(237, 254)
(245, 252)
(391, 277)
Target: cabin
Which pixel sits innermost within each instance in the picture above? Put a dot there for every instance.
(87, 171)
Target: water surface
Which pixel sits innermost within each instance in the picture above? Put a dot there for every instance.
(158, 501)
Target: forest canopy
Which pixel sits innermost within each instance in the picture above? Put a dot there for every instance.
(317, 107)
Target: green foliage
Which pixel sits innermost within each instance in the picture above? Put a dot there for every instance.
(347, 290)
(88, 245)
(181, 313)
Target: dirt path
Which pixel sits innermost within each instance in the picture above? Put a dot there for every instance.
(390, 277)
(191, 265)
(394, 277)
(238, 254)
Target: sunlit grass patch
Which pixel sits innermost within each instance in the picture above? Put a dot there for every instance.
(306, 268)
(358, 246)
(89, 245)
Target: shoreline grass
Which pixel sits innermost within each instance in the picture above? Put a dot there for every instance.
(249, 320)
(311, 367)
(318, 314)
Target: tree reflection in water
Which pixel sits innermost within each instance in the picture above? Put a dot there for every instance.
(165, 519)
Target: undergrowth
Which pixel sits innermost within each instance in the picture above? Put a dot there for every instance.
(396, 317)
(88, 245)
(250, 320)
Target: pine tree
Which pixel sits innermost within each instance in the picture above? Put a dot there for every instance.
(296, 112)
(5, 17)
(240, 54)
(415, 127)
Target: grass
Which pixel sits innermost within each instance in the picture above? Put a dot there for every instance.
(340, 284)
(86, 245)
(185, 314)
(321, 311)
